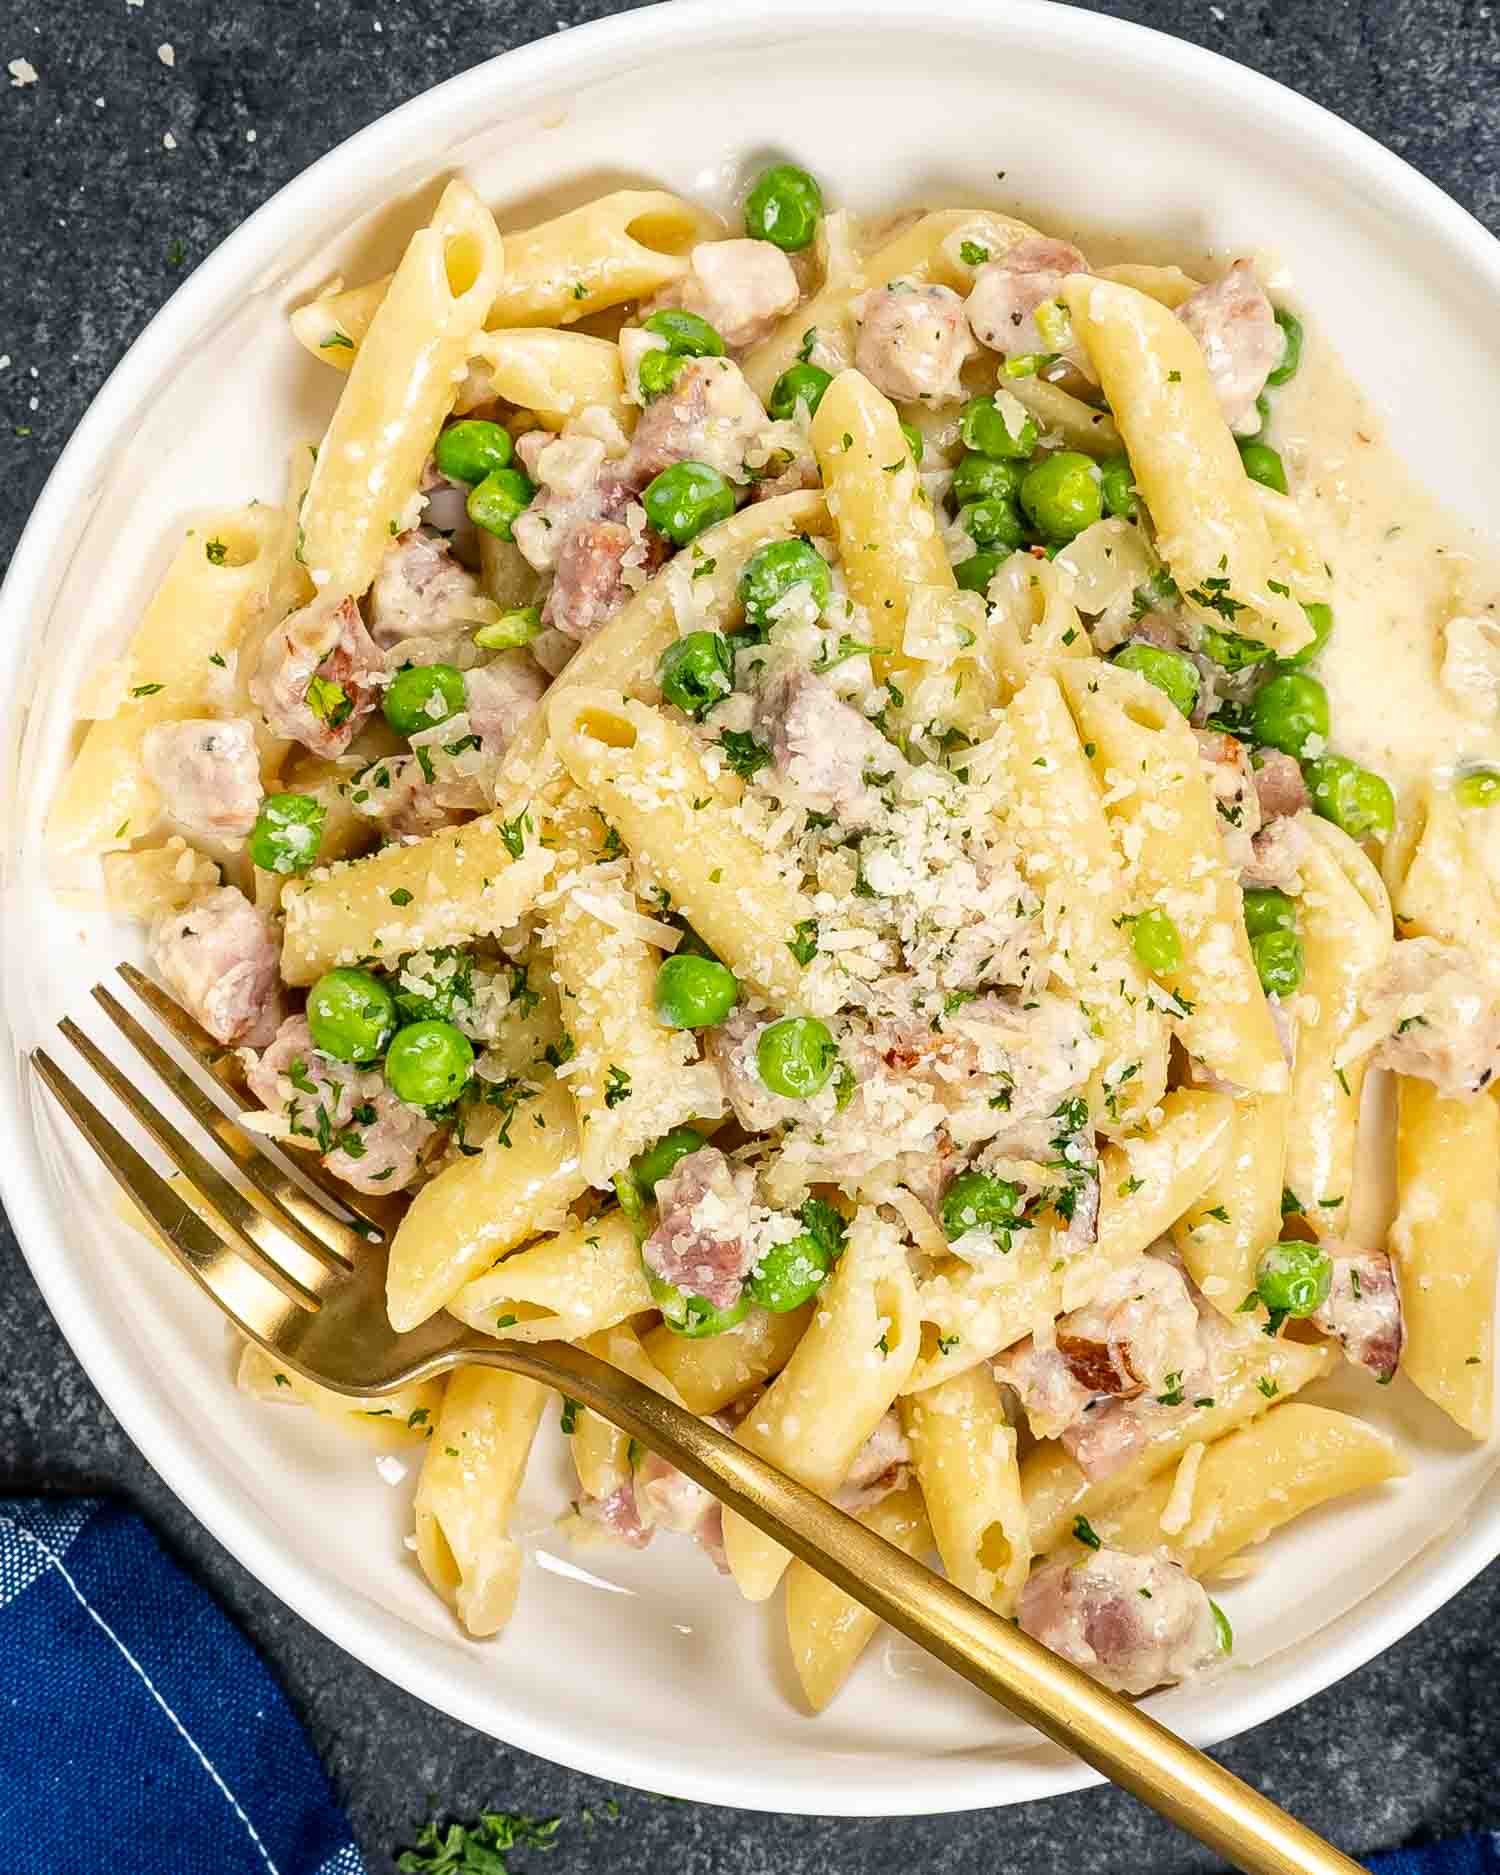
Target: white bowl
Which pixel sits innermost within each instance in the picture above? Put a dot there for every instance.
(658, 1676)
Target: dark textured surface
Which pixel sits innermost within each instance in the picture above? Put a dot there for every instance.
(101, 221)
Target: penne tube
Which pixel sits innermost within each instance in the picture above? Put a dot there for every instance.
(1344, 919)
(1169, 286)
(1444, 1245)
(1033, 624)
(470, 1477)
(1262, 1370)
(1237, 1215)
(1210, 529)
(601, 1452)
(826, 1630)
(1439, 886)
(964, 1451)
(1147, 761)
(403, 1418)
(835, 1389)
(1246, 1486)
(556, 374)
(586, 1279)
(645, 775)
(713, 1373)
(401, 385)
(1145, 1183)
(1075, 424)
(1055, 812)
(519, 1183)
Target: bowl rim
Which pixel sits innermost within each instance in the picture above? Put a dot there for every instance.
(578, 56)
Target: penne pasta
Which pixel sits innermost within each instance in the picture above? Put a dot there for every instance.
(586, 1279)
(713, 1374)
(556, 374)
(1237, 1215)
(403, 1418)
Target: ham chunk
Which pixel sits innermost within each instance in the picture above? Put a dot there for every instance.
(421, 591)
(703, 1240)
(220, 960)
(208, 773)
(576, 484)
(1276, 856)
(1279, 787)
(1001, 307)
(589, 585)
(1131, 1622)
(826, 755)
(912, 341)
(879, 1468)
(1236, 330)
(613, 1519)
(1363, 1311)
(319, 676)
(500, 697)
(740, 287)
(363, 1133)
(397, 792)
(709, 415)
(1439, 1014)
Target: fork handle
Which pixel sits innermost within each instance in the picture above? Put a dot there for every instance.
(991, 1652)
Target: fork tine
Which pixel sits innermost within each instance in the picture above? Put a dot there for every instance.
(250, 1227)
(307, 1223)
(216, 1059)
(198, 1247)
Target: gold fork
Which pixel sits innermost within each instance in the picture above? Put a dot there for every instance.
(310, 1286)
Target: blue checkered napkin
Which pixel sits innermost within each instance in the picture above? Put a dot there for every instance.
(142, 1734)
(1465, 1855)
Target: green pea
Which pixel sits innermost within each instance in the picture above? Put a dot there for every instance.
(1223, 1632)
(975, 573)
(1173, 672)
(429, 1063)
(658, 371)
(789, 1273)
(980, 1201)
(690, 1315)
(352, 1015)
(783, 207)
(422, 696)
(1117, 485)
(685, 332)
(914, 440)
(287, 830)
(993, 523)
(685, 499)
(1156, 941)
(798, 384)
(1290, 712)
(1278, 961)
(796, 1056)
(982, 426)
(1291, 347)
(1480, 787)
(469, 451)
(652, 1166)
(1263, 465)
(1231, 649)
(982, 478)
(1293, 1279)
(495, 503)
(1063, 494)
(773, 571)
(1320, 617)
(1268, 910)
(516, 627)
(696, 672)
(694, 992)
(1350, 796)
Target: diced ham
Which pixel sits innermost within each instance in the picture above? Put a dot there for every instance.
(1051, 1394)
(1037, 1048)
(1276, 856)
(1363, 1310)
(208, 773)
(1236, 329)
(397, 792)
(710, 415)
(826, 755)
(319, 676)
(703, 1238)
(500, 696)
(879, 1468)
(589, 585)
(1279, 787)
(912, 341)
(616, 1518)
(740, 287)
(1440, 1015)
(576, 484)
(1001, 307)
(367, 1137)
(1231, 781)
(667, 1499)
(421, 591)
(1107, 1437)
(1131, 1622)
(220, 959)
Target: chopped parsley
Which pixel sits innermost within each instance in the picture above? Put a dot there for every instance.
(1173, 1394)
(743, 753)
(1268, 1387)
(616, 1086)
(1086, 1534)
(147, 690)
(216, 551)
(401, 896)
(514, 832)
(947, 1343)
(972, 254)
(476, 1848)
(569, 1416)
(329, 702)
(803, 943)
(336, 342)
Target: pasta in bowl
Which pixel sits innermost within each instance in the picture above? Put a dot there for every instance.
(986, 852)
